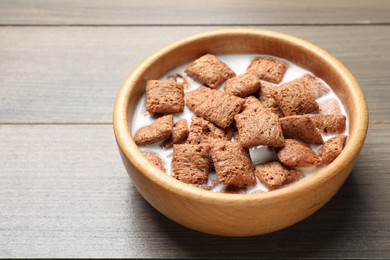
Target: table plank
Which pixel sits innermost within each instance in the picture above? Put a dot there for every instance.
(64, 193)
(204, 12)
(72, 74)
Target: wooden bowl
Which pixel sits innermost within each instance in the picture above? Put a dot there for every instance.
(239, 214)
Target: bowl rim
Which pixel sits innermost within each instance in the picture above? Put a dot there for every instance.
(134, 155)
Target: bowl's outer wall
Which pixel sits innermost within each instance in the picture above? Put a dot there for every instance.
(233, 216)
(236, 220)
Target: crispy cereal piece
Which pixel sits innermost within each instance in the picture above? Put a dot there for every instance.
(214, 105)
(203, 131)
(329, 124)
(157, 131)
(164, 96)
(180, 79)
(259, 127)
(274, 174)
(268, 69)
(232, 164)
(212, 133)
(267, 99)
(179, 135)
(180, 131)
(332, 148)
(294, 99)
(155, 159)
(252, 102)
(242, 85)
(296, 153)
(195, 135)
(190, 163)
(301, 127)
(210, 70)
(329, 107)
(313, 84)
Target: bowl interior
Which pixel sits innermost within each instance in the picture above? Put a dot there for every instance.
(298, 51)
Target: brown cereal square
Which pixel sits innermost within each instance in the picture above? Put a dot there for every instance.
(214, 105)
(329, 107)
(179, 135)
(213, 133)
(259, 127)
(210, 70)
(329, 124)
(268, 69)
(178, 78)
(313, 84)
(203, 131)
(293, 175)
(274, 174)
(332, 148)
(195, 134)
(164, 96)
(155, 159)
(157, 131)
(267, 99)
(301, 127)
(296, 153)
(232, 164)
(252, 102)
(190, 163)
(294, 99)
(180, 132)
(242, 85)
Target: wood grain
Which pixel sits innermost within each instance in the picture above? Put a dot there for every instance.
(72, 74)
(65, 193)
(63, 189)
(168, 12)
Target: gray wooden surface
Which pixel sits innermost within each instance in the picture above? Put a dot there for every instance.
(63, 189)
(204, 12)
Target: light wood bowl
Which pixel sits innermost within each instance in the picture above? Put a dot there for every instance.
(239, 214)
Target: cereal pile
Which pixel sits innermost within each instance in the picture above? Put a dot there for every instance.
(252, 111)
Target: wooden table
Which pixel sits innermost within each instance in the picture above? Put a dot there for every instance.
(63, 189)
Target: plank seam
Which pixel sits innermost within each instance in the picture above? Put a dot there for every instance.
(197, 25)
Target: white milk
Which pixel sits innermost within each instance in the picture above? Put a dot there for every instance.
(261, 154)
